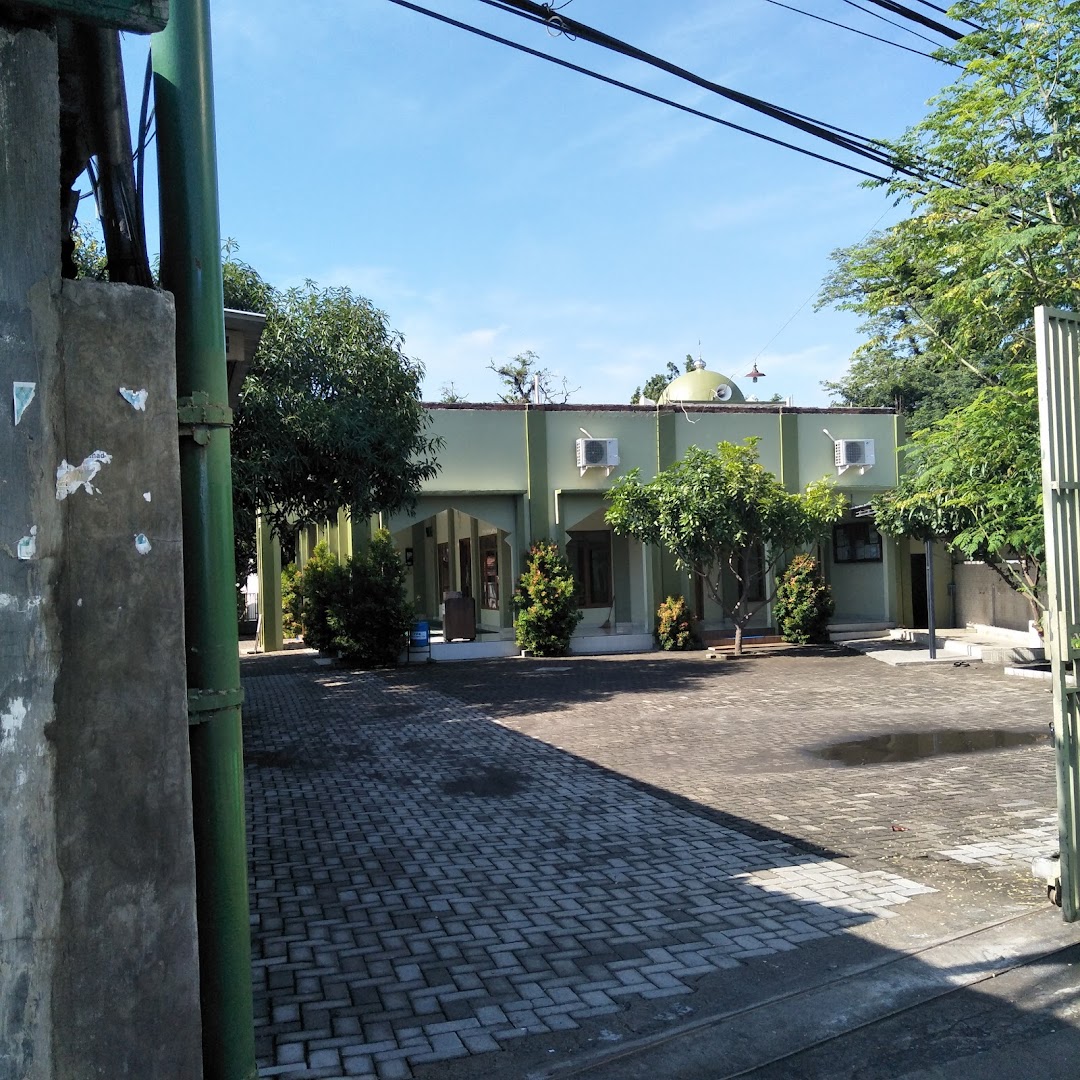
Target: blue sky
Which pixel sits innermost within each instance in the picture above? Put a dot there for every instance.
(490, 202)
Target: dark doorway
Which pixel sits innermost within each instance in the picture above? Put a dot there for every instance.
(465, 565)
(444, 570)
(919, 614)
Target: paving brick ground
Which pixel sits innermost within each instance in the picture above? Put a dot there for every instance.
(450, 858)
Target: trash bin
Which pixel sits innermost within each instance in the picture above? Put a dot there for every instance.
(420, 636)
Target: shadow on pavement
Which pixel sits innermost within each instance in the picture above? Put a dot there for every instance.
(434, 894)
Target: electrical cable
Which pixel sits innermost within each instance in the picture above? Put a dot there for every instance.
(878, 15)
(860, 145)
(840, 137)
(637, 90)
(913, 16)
(861, 33)
(876, 151)
(575, 30)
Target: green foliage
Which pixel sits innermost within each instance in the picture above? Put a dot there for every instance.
(358, 610)
(370, 617)
(330, 414)
(804, 603)
(292, 601)
(519, 377)
(546, 611)
(450, 395)
(715, 510)
(947, 295)
(89, 255)
(321, 581)
(656, 384)
(974, 481)
(674, 630)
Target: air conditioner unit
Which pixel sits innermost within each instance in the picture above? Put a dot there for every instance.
(854, 453)
(597, 453)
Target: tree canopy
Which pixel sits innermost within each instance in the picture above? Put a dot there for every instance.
(522, 374)
(973, 479)
(947, 295)
(721, 512)
(656, 384)
(330, 413)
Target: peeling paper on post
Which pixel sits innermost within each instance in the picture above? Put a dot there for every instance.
(69, 478)
(142, 545)
(22, 393)
(135, 398)
(27, 546)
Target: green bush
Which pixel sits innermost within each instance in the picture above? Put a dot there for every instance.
(322, 579)
(547, 613)
(370, 617)
(674, 630)
(804, 603)
(292, 599)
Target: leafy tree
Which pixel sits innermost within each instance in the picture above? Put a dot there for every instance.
(656, 384)
(88, 254)
(330, 413)
(449, 394)
(522, 374)
(547, 613)
(947, 294)
(974, 481)
(716, 511)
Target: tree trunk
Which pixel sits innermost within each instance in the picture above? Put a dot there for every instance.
(738, 639)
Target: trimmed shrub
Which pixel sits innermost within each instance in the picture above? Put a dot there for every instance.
(804, 603)
(674, 629)
(547, 613)
(321, 580)
(292, 599)
(370, 617)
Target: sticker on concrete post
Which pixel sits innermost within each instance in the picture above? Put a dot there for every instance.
(146, 495)
(135, 398)
(69, 478)
(22, 394)
(142, 545)
(27, 546)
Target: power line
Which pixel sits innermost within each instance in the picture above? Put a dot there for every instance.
(913, 16)
(636, 90)
(861, 33)
(874, 150)
(899, 26)
(837, 136)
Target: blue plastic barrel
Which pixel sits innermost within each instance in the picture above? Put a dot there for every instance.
(420, 637)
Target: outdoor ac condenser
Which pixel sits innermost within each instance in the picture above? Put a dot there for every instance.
(854, 453)
(603, 453)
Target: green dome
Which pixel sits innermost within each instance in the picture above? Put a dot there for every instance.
(702, 387)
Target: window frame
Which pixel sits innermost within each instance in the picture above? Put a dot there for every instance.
(858, 545)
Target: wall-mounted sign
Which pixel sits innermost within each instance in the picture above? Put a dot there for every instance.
(145, 16)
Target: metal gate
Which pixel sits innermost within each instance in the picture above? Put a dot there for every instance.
(1057, 338)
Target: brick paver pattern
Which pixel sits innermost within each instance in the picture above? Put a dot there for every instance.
(428, 883)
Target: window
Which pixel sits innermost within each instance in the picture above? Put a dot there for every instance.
(489, 572)
(756, 568)
(589, 555)
(856, 541)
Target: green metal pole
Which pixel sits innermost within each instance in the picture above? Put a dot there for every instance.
(191, 270)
